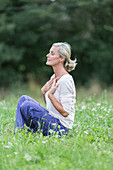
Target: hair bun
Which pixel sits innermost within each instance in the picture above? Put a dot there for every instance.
(70, 65)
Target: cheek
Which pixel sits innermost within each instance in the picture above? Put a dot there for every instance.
(56, 61)
(53, 60)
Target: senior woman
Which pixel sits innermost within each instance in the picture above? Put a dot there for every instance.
(58, 93)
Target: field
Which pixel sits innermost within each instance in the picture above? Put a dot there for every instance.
(88, 146)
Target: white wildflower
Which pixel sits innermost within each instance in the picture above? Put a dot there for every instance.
(62, 130)
(93, 109)
(6, 146)
(74, 124)
(51, 131)
(99, 144)
(44, 141)
(95, 148)
(105, 109)
(109, 110)
(79, 123)
(83, 107)
(98, 104)
(88, 117)
(86, 132)
(54, 125)
(15, 153)
(27, 157)
(14, 138)
(106, 151)
(10, 143)
(2, 103)
(62, 139)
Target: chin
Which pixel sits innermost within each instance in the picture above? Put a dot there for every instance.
(47, 63)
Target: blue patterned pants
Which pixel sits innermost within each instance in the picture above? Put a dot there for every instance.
(31, 114)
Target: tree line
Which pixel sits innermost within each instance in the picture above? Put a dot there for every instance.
(28, 29)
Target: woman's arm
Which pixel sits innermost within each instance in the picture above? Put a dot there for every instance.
(43, 93)
(58, 106)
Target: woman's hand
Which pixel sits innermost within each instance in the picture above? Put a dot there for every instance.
(47, 86)
(53, 86)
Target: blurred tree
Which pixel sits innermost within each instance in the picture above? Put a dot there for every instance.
(28, 29)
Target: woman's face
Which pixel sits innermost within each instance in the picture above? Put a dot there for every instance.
(53, 56)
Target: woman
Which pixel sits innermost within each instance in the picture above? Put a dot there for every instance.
(58, 93)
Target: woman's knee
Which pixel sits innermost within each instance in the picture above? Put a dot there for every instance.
(24, 109)
(24, 106)
(23, 98)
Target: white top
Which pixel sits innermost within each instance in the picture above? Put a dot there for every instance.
(64, 94)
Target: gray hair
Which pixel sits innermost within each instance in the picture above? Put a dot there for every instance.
(65, 51)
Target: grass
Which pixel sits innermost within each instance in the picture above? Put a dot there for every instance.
(88, 146)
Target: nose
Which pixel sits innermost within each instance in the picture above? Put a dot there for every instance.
(47, 55)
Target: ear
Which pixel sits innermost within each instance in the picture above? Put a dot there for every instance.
(62, 59)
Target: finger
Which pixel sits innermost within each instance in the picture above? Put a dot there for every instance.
(51, 81)
(57, 85)
(54, 82)
(57, 78)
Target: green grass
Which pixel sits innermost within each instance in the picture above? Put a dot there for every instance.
(88, 146)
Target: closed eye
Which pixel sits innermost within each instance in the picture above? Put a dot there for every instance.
(52, 52)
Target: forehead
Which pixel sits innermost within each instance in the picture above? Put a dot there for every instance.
(54, 49)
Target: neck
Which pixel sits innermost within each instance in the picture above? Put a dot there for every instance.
(59, 71)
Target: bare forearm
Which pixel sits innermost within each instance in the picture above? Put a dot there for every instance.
(43, 93)
(57, 105)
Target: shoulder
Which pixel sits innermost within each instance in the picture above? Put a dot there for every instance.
(66, 82)
(66, 79)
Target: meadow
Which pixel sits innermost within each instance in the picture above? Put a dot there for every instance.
(88, 146)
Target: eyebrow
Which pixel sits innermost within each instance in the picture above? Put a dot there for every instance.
(51, 51)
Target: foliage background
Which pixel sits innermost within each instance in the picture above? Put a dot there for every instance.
(28, 29)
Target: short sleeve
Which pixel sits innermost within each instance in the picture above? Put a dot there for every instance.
(68, 95)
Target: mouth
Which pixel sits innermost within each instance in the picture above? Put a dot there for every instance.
(48, 59)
